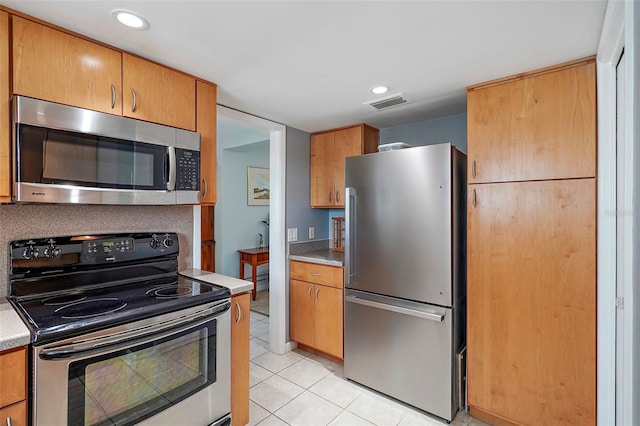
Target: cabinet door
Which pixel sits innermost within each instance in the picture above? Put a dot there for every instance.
(322, 160)
(348, 143)
(240, 359)
(155, 93)
(531, 329)
(329, 320)
(51, 65)
(301, 312)
(5, 125)
(14, 415)
(540, 127)
(13, 376)
(206, 116)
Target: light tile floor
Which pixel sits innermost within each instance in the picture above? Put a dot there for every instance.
(299, 388)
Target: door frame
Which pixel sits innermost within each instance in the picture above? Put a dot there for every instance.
(277, 235)
(615, 251)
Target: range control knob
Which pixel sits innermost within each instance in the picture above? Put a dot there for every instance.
(52, 251)
(154, 243)
(168, 242)
(31, 252)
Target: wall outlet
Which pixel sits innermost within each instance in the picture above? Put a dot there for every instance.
(312, 232)
(292, 235)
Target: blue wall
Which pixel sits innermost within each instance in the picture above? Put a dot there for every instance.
(452, 129)
(238, 223)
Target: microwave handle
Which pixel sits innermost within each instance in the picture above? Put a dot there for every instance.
(171, 184)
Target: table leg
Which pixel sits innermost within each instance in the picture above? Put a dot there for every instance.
(254, 270)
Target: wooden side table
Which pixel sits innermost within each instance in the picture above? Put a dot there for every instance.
(253, 257)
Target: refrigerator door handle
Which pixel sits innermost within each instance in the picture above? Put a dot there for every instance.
(349, 240)
(433, 316)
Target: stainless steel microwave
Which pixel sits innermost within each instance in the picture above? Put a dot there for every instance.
(64, 154)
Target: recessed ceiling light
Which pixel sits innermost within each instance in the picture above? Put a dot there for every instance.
(379, 90)
(130, 19)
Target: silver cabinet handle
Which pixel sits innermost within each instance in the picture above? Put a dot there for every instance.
(239, 313)
(8, 421)
(337, 196)
(309, 293)
(317, 292)
(473, 169)
(135, 101)
(315, 274)
(329, 196)
(205, 186)
(474, 202)
(114, 95)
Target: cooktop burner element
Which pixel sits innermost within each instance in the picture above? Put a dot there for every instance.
(171, 291)
(98, 286)
(63, 300)
(90, 308)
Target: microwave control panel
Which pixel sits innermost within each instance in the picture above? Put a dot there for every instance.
(188, 170)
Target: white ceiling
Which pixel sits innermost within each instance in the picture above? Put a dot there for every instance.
(310, 64)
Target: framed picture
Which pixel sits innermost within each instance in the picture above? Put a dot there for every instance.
(257, 186)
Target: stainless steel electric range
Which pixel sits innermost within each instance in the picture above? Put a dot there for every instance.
(118, 336)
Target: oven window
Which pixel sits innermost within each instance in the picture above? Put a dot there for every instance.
(127, 386)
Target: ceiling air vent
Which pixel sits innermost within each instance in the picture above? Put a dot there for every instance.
(387, 102)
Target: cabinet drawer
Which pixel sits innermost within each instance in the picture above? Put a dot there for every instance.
(321, 274)
(13, 376)
(16, 412)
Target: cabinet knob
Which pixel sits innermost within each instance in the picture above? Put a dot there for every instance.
(205, 187)
(8, 421)
(309, 293)
(239, 312)
(317, 292)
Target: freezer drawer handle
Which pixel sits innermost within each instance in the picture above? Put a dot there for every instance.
(426, 315)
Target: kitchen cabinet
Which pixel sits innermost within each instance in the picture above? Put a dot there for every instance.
(13, 386)
(328, 152)
(316, 307)
(55, 66)
(5, 124)
(206, 116)
(534, 127)
(240, 305)
(155, 93)
(531, 249)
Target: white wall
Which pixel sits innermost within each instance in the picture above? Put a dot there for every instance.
(239, 224)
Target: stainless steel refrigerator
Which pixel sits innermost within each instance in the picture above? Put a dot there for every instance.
(405, 256)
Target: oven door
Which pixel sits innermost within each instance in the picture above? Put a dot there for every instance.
(172, 369)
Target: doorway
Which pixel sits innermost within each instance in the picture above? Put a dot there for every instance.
(266, 142)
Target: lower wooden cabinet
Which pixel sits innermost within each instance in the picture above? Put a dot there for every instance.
(531, 302)
(240, 321)
(316, 310)
(14, 415)
(13, 387)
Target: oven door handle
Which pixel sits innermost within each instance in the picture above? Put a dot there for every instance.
(136, 336)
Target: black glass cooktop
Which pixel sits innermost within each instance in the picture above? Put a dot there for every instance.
(83, 310)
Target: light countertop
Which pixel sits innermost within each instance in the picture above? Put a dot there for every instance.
(13, 332)
(322, 256)
(235, 285)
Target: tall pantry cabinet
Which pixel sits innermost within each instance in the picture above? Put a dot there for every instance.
(531, 302)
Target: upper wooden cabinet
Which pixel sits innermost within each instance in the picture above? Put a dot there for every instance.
(5, 125)
(328, 152)
(534, 126)
(206, 126)
(52, 65)
(158, 94)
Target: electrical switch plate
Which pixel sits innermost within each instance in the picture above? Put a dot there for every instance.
(312, 232)
(292, 235)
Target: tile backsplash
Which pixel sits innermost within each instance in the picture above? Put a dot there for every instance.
(21, 221)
